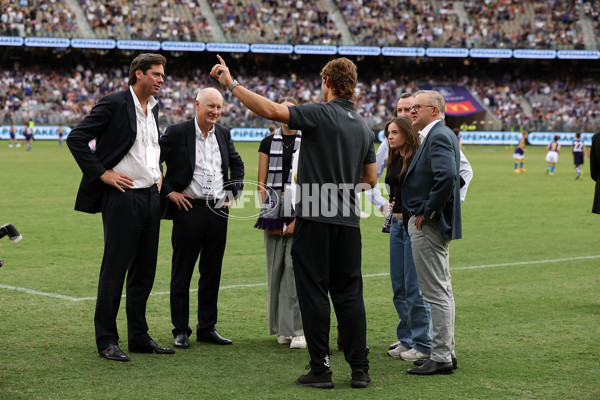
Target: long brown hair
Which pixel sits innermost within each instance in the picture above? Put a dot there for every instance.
(410, 148)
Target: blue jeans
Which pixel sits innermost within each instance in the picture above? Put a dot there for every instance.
(414, 326)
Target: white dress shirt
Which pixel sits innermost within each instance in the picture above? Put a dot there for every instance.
(208, 166)
(374, 194)
(465, 169)
(138, 163)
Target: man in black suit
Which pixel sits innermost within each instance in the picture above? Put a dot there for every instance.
(595, 170)
(431, 198)
(122, 180)
(199, 155)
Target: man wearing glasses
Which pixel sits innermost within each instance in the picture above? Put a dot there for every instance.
(431, 199)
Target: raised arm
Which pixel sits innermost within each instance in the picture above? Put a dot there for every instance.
(258, 104)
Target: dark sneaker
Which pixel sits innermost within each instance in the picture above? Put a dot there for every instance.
(360, 379)
(321, 381)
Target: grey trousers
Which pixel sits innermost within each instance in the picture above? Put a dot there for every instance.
(430, 253)
(284, 311)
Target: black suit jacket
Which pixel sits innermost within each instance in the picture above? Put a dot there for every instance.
(112, 122)
(178, 151)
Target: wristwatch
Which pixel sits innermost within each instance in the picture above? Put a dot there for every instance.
(234, 84)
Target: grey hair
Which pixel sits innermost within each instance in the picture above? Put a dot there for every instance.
(436, 99)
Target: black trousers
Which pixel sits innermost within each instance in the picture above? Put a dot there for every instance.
(131, 228)
(327, 259)
(200, 231)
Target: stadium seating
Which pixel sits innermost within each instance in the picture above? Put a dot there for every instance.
(288, 21)
(51, 97)
(37, 18)
(549, 24)
(175, 20)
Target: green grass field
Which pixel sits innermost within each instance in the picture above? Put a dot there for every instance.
(525, 276)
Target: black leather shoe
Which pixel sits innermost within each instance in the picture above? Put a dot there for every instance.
(432, 368)
(182, 341)
(150, 347)
(418, 363)
(212, 337)
(114, 353)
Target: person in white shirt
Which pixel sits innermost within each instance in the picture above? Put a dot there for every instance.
(122, 179)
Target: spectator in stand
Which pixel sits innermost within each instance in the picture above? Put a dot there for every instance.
(558, 102)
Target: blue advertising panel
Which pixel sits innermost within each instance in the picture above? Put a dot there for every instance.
(403, 51)
(490, 137)
(535, 54)
(359, 50)
(566, 138)
(491, 53)
(447, 52)
(248, 134)
(314, 49)
(93, 43)
(46, 132)
(183, 46)
(11, 41)
(578, 54)
(47, 42)
(272, 48)
(138, 45)
(228, 47)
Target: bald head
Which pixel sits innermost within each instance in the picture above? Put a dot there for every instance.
(208, 104)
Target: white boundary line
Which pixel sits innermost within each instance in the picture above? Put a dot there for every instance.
(62, 297)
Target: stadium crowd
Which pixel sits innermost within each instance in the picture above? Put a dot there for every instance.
(515, 24)
(550, 24)
(50, 96)
(37, 18)
(173, 20)
(271, 21)
(404, 23)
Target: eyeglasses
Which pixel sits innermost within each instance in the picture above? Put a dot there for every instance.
(416, 107)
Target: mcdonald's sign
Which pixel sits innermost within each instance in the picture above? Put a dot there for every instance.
(460, 108)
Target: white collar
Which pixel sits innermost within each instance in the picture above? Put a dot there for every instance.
(199, 134)
(151, 100)
(425, 131)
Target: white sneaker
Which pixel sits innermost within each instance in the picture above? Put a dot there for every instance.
(413, 355)
(394, 345)
(298, 342)
(283, 339)
(395, 352)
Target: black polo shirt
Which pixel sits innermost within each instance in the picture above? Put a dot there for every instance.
(336, 143)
